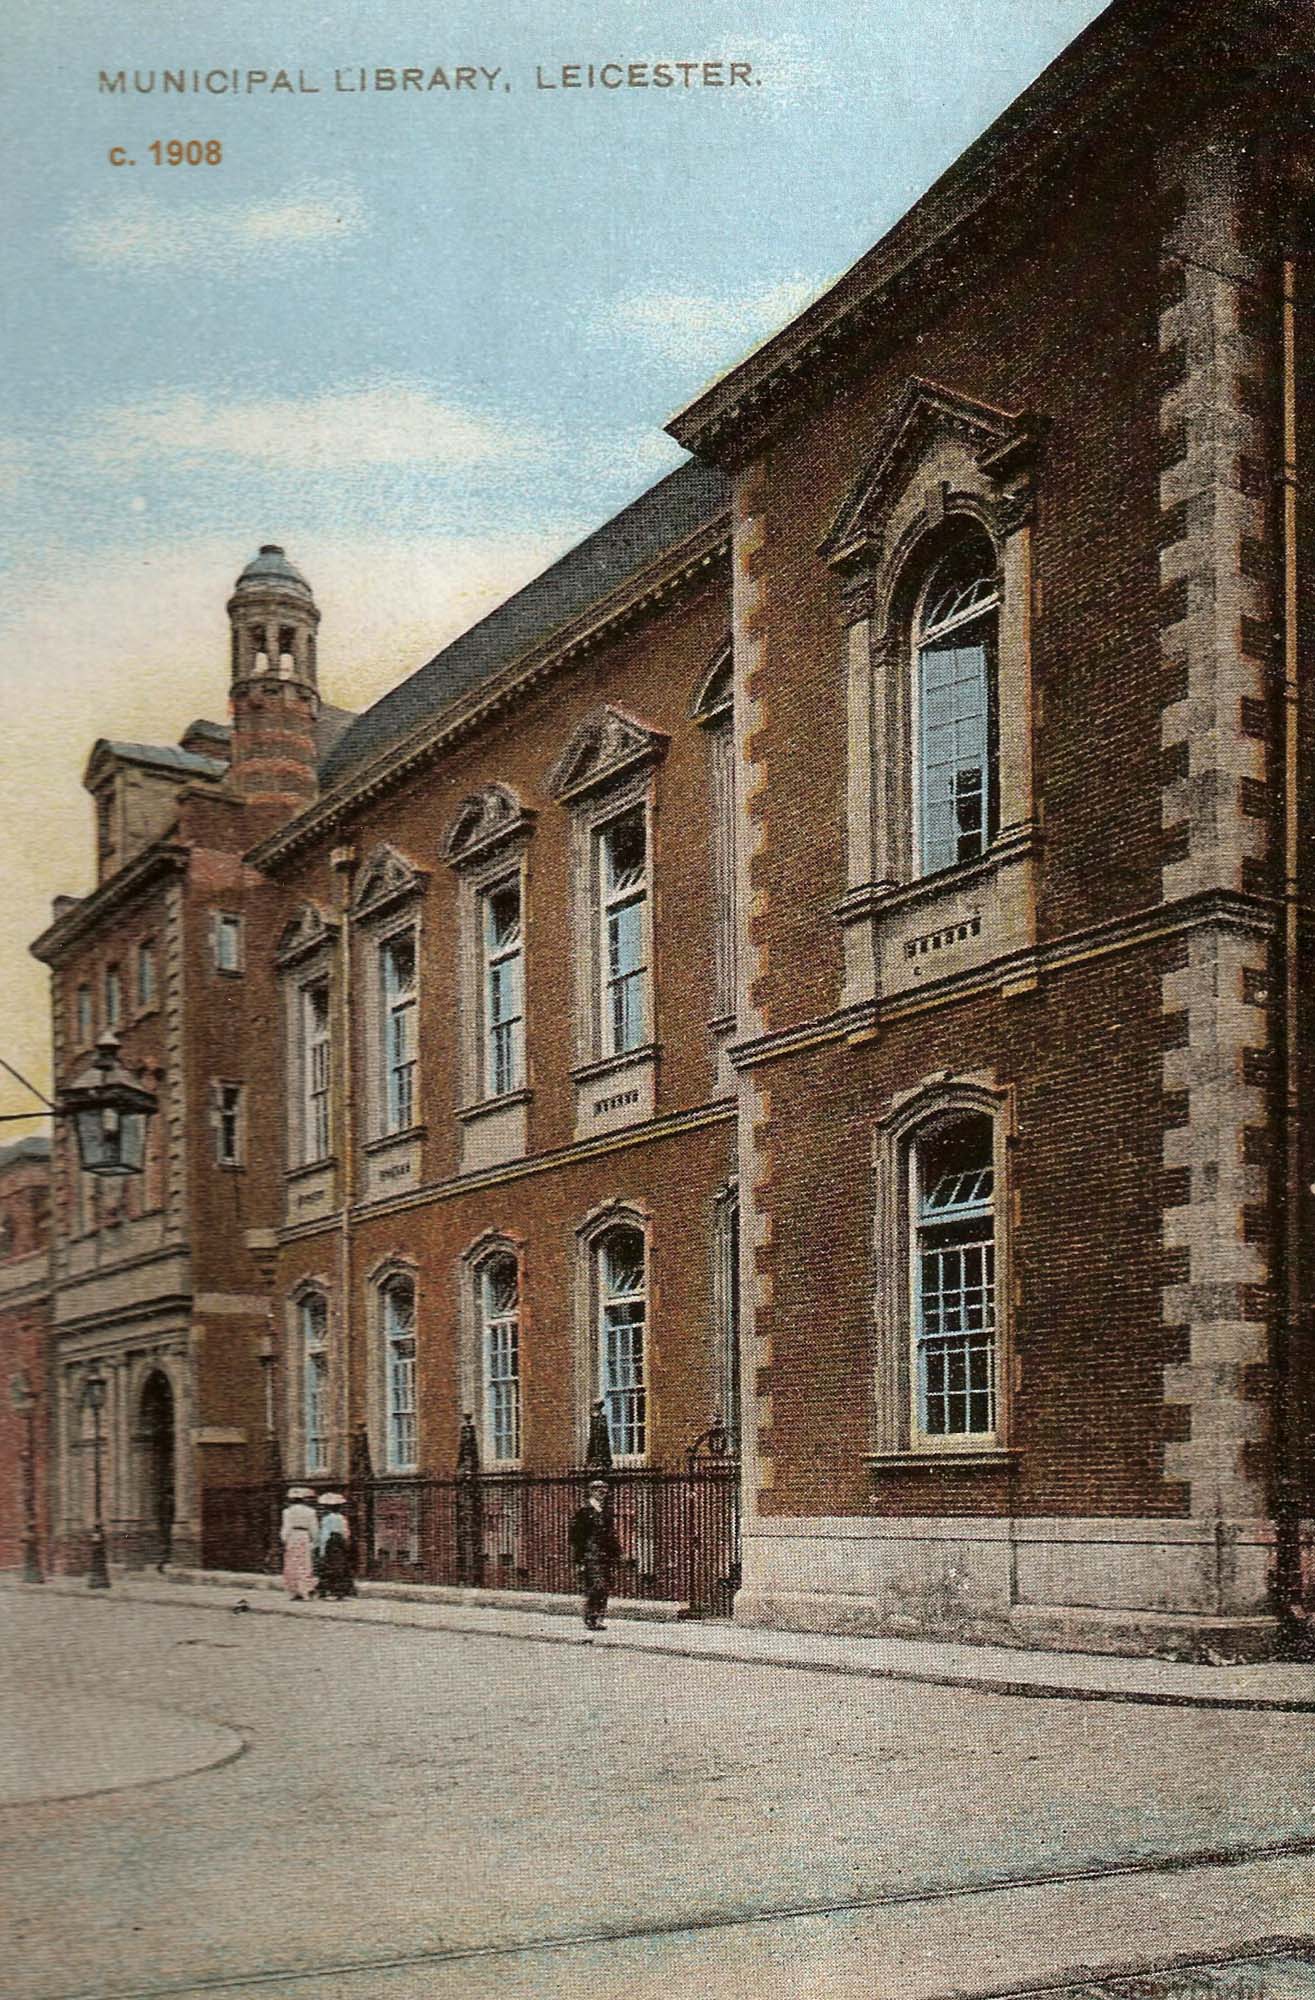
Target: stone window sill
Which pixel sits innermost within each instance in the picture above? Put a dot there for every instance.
(605, 1066)
(487, 1107)
(406, 1136)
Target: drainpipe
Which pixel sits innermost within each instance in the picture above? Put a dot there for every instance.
(1287, 1440)
(343, 860)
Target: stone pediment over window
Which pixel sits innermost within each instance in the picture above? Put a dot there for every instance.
(1003, 443)
(486, 822)
(307, 931)
(387, 878)
(607, 747)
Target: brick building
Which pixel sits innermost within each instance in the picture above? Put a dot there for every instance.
(441, 1130)
(892, 822)
(24, 1343)
(1022, 1031)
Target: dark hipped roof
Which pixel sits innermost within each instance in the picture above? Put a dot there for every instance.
(160, 757)
(667, 514)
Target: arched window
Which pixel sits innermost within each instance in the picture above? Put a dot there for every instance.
(499, 1312)
(313, 1319)
(504, 1006)
(955, 629)
(622, 1294)
(952, 1204)
(397, 1300)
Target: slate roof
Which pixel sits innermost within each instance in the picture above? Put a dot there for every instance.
(164, 757)
(35, 1147)
(667, 514)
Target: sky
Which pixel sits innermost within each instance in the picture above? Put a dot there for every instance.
(425, 338)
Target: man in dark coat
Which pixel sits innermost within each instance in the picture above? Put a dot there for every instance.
(594, 1548)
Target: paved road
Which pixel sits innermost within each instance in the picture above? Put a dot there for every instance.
(448, 1814)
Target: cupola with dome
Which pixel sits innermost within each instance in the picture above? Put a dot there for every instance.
(274, 689)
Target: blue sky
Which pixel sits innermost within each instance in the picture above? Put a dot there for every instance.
(423, 339)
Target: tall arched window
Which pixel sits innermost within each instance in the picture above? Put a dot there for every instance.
(622, 1293)
(397, 1300)
(499, 1312)
(313, 1318)
(953, 1255)
(956, 787)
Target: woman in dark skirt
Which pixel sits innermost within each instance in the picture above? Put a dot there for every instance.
(336, 1579)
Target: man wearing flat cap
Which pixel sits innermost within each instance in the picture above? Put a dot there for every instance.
(594, 1548)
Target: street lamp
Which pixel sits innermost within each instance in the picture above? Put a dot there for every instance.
(267, 1355)
(93, 1398)
(108, 1108)
(24, 1400)
(109, 1112)
(265, 1352)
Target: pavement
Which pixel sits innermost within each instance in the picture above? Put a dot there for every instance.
(642, 1628)
(77, 1746)
(438, 1798)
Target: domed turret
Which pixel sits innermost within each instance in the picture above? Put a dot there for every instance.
(275, 692)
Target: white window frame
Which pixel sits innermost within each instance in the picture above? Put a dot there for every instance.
(499, 1361)
(398, 1035)
(502, 1027)
(228, 942)
(315, 1058)
(953, 1317)
(621, 1364)
(614, 896)
(397, 1335)
(113, 997)
(914, 1120)
(313, 1344)
(971, 613)
(84, 1018)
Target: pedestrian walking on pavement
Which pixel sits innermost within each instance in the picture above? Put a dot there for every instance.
(594, 1548)
(335, 1545)
(297, 1532)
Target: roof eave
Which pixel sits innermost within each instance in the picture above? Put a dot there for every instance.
(643, 591)
(1040, 123)
(164, 857)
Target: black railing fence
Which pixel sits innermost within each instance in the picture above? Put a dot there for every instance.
(678, 1531)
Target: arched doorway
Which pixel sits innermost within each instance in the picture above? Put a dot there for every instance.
(157, 1436)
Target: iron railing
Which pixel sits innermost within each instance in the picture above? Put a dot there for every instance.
(679, 1531)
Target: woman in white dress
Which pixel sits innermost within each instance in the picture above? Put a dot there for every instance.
(297, 1532)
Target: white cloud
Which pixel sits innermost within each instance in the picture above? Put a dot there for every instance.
(709, 329)
(140, 232)
(379, 423)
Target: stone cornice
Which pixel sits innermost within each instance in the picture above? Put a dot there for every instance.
(1091, 86)
(1258, 916)
(640, 595)
(671, 1125)
(165, 857)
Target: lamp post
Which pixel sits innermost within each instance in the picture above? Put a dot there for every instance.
(24, 1399)
(267, 1355)
(93, 1397)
